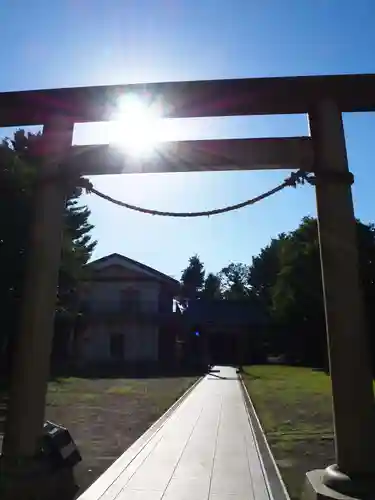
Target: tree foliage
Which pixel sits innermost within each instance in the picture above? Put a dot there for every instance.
(285, 280)
(18, 170)
(287, 276)
(297, 295)
(234, 279)
(212, 287)
(192, 278)
(264, 270)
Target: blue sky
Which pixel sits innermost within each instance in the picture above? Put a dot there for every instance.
(91, 42)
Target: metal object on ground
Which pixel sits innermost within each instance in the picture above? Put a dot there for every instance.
(58, 445)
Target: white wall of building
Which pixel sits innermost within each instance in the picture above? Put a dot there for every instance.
(100, 293)
(140, 342)
(95, 346)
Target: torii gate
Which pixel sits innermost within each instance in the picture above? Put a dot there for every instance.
(323, 98)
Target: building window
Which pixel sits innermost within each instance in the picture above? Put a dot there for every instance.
(130, 299)
(117, 345)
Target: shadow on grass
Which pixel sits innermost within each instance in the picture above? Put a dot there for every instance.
(249, 376)
(140, 371)
(135, 372)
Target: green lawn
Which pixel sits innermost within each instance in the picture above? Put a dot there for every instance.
(294, 406)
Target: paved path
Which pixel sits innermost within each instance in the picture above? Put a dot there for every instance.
(204, 450)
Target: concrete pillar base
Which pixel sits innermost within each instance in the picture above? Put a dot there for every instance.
(35, 479)
(332, 484)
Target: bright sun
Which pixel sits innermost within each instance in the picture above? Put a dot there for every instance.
(137, 128)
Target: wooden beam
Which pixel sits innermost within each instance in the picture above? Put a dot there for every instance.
(250, 96)
(196, 156)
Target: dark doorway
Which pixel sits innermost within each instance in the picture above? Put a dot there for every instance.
(117, 346)
(223, 348)
(194, 350)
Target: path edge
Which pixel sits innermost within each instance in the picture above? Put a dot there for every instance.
(110, 475)
(273, 478)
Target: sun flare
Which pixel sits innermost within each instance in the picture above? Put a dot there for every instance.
(137, 128)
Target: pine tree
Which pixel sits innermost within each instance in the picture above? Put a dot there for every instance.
(192, 279)
(212, 287)
(18, 169)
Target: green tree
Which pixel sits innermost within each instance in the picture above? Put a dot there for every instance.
(192, 278)
(18, 169)
(212, 287)
(264, 270)
(287, 275)
(77, 248)
(234, 278)
(297, 296)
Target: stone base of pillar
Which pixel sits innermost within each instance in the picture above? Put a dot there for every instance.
(35, 479)
(331, 484)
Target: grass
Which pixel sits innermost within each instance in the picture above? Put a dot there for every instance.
(105, 416)
(294, 406)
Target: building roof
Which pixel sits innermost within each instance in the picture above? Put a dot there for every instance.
(116, 258)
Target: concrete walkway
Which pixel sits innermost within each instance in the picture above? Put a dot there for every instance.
(204, 450)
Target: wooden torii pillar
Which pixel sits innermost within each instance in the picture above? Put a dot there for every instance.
(323, 99)
(21, 473)
(350, 368)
